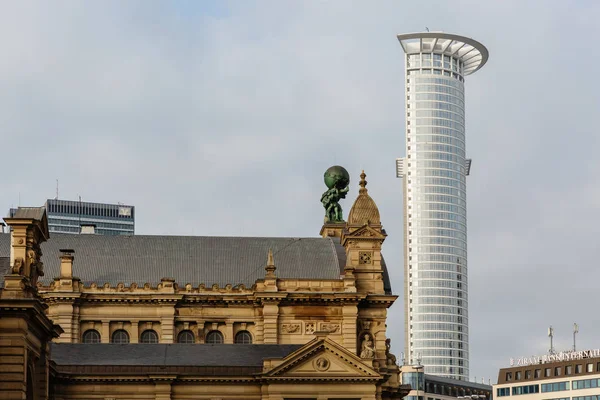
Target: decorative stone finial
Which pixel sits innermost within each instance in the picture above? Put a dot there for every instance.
(270, 268)
(364, 211)
(362, 183)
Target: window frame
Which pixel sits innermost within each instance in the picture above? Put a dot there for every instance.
(91, 332)
(245, 334)
(214, 333)
(120, 332)
(149, 336)
(186, 332)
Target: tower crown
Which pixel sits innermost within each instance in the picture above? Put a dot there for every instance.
(364, 210)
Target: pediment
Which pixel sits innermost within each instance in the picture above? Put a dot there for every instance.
(323, 359)
(365, 232)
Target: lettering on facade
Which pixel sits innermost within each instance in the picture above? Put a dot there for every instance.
(561, 356)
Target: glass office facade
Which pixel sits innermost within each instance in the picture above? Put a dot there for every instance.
(434, 172)
(65, 216)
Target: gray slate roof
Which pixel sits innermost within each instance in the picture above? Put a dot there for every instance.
(208, 355)
(189, 259)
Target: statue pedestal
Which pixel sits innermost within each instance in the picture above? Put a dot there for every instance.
(332, 229)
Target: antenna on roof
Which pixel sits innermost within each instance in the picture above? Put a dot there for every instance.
(551, 336)
(56, 198)
(575, 332)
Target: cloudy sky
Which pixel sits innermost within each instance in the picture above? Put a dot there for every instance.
(219, 118)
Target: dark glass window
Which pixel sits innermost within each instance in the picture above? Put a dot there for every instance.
(214, 337)
(91, 336)
(243, 337)
(120, 337)
(149, 336)
(186, 337)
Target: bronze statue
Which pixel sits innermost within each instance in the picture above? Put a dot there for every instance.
(337, 180)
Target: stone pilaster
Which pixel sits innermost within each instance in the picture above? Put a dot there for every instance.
(167, 323)
(349, 312)
(105, 331)
(271, 319)
(228, 332)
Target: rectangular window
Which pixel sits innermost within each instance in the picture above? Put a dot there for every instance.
(555, 387)
(501, 392)
(590, 367)
(528, 374)
(568, 370)
(527, 389)
(558, 371)
(518, 373)
(508, 376)
(547, 372)
(579, 368)
(537, 373)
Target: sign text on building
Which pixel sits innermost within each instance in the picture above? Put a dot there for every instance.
(561, 356)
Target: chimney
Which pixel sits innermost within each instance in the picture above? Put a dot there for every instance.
(88, 229)
(66, 263)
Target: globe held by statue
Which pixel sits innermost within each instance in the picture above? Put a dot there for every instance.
(337, 180)
(337, 177)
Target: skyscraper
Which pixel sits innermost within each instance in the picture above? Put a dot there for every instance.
(68, 216)
(435, 210)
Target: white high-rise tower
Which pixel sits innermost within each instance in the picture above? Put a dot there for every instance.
(435, 205)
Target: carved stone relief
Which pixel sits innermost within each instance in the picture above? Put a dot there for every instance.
(331, 328)
(309, 328)
(321, 364)
(365, 257)
(290, 328)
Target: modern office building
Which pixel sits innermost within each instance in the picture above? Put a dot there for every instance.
(572, 375)
(67, 216)
(431, 387)
(435, 207)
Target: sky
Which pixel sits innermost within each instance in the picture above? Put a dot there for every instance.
(219, 118)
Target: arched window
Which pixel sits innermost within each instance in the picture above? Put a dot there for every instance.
(214, 337)
(243, 337)
(120, 337)
(186, 337)
(149, 336)
(91, 336)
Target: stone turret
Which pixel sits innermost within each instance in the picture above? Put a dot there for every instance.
(25, 329)
(362, 239)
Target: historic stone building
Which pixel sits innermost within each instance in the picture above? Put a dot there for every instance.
(171, 317)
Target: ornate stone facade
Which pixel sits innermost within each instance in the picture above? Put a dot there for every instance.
(338, 325)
